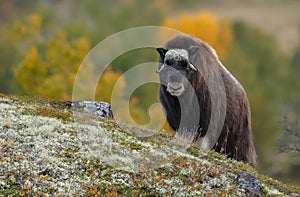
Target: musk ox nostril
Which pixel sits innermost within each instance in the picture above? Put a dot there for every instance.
(175, 89)
(175, 86)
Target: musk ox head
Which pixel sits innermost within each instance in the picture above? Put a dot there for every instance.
(175, 70)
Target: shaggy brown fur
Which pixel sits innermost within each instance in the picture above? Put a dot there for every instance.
(235, 139)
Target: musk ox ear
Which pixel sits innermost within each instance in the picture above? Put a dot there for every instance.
(162, 52)
(193, 53)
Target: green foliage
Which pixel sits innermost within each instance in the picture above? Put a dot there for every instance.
(296, 60)
(295, 64)
(8, 58)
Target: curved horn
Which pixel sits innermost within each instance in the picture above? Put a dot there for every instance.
(193, 67)
(161, 68)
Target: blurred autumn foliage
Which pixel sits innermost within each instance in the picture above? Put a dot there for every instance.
(53, 71)
(50, 64)
(205, 26)
(43, 44)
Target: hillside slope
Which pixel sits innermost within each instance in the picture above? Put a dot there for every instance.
(47, 149)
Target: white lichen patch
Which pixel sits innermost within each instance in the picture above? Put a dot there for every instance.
(272, 192)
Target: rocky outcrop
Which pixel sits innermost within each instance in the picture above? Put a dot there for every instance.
(101, 109)
(250, 184)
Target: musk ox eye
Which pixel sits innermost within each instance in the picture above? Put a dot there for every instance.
(183, 65)
(168, 62)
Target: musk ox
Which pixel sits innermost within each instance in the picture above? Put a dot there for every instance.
(199, 95)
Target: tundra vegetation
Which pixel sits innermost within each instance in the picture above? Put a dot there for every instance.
(47, 149)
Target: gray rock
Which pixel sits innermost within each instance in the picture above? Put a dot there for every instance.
(250, 184)
(294, 195)
(101, 109)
